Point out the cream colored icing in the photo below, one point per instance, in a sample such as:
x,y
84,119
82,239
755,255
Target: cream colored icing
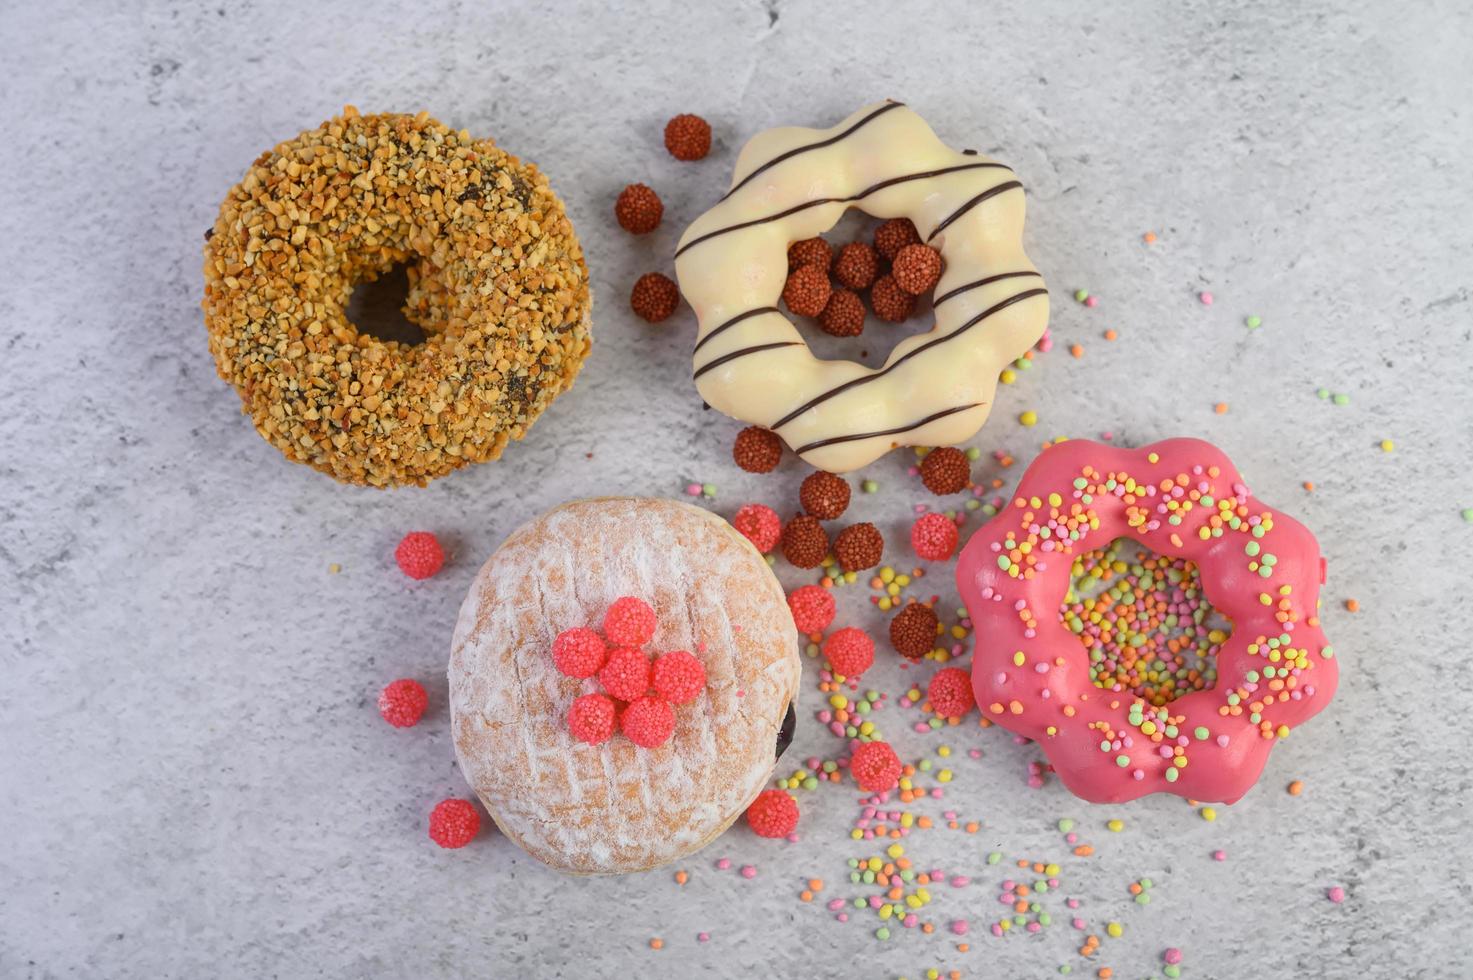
x,y
935,388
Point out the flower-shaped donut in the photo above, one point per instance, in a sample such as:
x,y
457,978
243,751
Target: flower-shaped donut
x,y
935,388
1259,568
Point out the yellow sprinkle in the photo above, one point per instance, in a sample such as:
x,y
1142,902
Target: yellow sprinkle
x,y
885,604
902,580
334,568
1115,929
895,850
907,819
887,574
1116,826
1008,377
1028,418
944,751
944,776
1208,814
1387,445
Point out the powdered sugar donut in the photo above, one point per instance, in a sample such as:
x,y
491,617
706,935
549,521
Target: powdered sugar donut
x,y
791,184
615,807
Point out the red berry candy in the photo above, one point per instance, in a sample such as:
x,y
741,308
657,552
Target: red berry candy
x,y
688,137
419,555
760,525
591,718
679,677
774,813
648,721
578,652
950,693
630,622
813,608
403,702
626,673
934,537
875,766
454,823
849,651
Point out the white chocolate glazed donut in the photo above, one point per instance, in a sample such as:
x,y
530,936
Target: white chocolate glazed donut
x,y
791,183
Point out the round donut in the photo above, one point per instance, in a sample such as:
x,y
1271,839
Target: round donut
x,y
497,282
1259,568
614,807
935,388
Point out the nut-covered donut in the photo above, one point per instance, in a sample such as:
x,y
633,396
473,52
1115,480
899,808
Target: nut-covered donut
x,y
497,282
682,579
790,184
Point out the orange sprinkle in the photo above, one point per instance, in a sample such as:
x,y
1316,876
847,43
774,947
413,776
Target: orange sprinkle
x,y
1220,408
1083,850
1352,605
1111,334
1076,349
1105,973
963,948
816,884
681,877
1309,486
972,827
927,927
923,822
657,944
1296,787
1149,237
805,896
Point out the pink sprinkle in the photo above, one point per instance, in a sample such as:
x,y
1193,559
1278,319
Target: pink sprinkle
x,y
1107,436
1034,927
693,489
1092,302
741,693
959,927
1336,894
1073,903
1078,923
921,508
910,921
723,864
842,916
996,929
748,871
1172,956
703,937
960,881
836,904
1219,855
1205,297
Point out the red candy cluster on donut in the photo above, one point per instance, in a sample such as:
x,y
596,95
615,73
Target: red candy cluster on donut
x,y
1259,568
638,696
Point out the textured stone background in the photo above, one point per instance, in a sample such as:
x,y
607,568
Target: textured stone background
x,y
193,779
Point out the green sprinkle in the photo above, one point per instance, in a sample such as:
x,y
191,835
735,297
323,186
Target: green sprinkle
x,y
1201,733
973,504
1081,295
708,489
1143,899
869,486
1171,774
1171,970
1145,882
1323,393
1254,322
1468,515
925,765
1251,548
994,857
1065,969
882,933
1004,562
1341,399
811,782
973,453
1122,761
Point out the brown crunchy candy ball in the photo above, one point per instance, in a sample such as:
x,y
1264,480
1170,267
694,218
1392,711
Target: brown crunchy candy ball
x,y
844,314
891,303
688,137
859,546
894,235
807,290
757,450
497,281
805,543
638,209
810,251
916,268
913,631
824,495
654,297
946,470
857,266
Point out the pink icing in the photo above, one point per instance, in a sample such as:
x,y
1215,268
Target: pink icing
x,y
1049,697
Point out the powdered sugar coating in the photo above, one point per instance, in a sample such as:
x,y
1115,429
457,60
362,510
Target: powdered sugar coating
x,y
614,807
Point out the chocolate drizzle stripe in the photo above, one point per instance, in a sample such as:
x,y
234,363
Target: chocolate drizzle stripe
x,y
989,193
734,321
866,379
743,353
887,432
952,293
875,189
795,151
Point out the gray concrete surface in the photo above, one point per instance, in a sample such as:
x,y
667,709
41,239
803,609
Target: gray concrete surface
x,y
193,779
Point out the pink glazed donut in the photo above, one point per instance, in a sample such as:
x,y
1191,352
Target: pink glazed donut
x,y
1259,568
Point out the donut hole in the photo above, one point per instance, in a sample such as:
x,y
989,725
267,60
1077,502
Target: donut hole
x,y
871,347
379,307
1144,622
